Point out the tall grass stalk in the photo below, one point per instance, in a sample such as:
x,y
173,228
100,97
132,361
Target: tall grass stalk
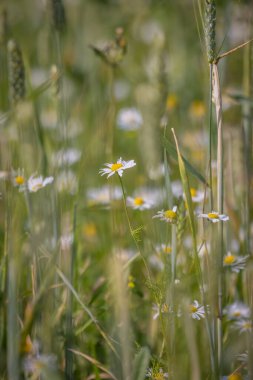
x,y
69,312
220,195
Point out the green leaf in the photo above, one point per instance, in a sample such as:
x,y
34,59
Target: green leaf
x,y
173,153
141,362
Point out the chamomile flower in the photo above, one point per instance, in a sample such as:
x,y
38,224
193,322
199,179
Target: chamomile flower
x,y
243,325
214,217
36,183
235,263
117,167
139,203
18,179
163,249
66,157
129,119
196,310
103,195
156,374
160,309
237,310
169,216
197,195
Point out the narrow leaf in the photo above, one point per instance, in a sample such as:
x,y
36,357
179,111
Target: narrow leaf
x,y
95,362
173,153
141,362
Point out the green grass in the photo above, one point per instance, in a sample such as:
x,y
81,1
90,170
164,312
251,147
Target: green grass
x,y
91,285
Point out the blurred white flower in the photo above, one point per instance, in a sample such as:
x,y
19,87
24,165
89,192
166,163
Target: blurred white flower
x,y
66,157
197,195
66,180
169,216
139,203
66,241
117,167
235,263
160,309
103,195
129,119
196,310
243,325
36,183
35,365
237,310
156,374
18,179
214,217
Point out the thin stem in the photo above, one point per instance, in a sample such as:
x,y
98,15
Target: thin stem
x,y
220,190
130,226
210,138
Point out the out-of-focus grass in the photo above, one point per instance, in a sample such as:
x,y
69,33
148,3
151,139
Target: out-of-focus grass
x,y
92,287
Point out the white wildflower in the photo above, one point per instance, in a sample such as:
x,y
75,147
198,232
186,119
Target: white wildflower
x,y
214,217
196,310
36,183
169,216
118,167
129,119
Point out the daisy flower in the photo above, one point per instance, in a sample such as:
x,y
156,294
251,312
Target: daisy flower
x,y
196,310
66,157
157,374
243,325
117,167
163,249
129,119
237,310
197,195
236,263
214,217
169,216
139,203
160,309
36,183
18,179
103,195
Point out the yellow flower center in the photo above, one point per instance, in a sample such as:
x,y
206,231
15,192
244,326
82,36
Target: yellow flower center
x,y
229,259
235,376
213,215
170,214
116,166
237,314
89,230
247,325
197,109
165,308
172,102
19,180
138,201
159,376
193,192
193,309
167,250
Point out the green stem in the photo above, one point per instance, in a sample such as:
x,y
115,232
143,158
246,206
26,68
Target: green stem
x,y
210,137
130,227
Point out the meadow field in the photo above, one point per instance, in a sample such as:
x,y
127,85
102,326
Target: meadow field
x,y
126,178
